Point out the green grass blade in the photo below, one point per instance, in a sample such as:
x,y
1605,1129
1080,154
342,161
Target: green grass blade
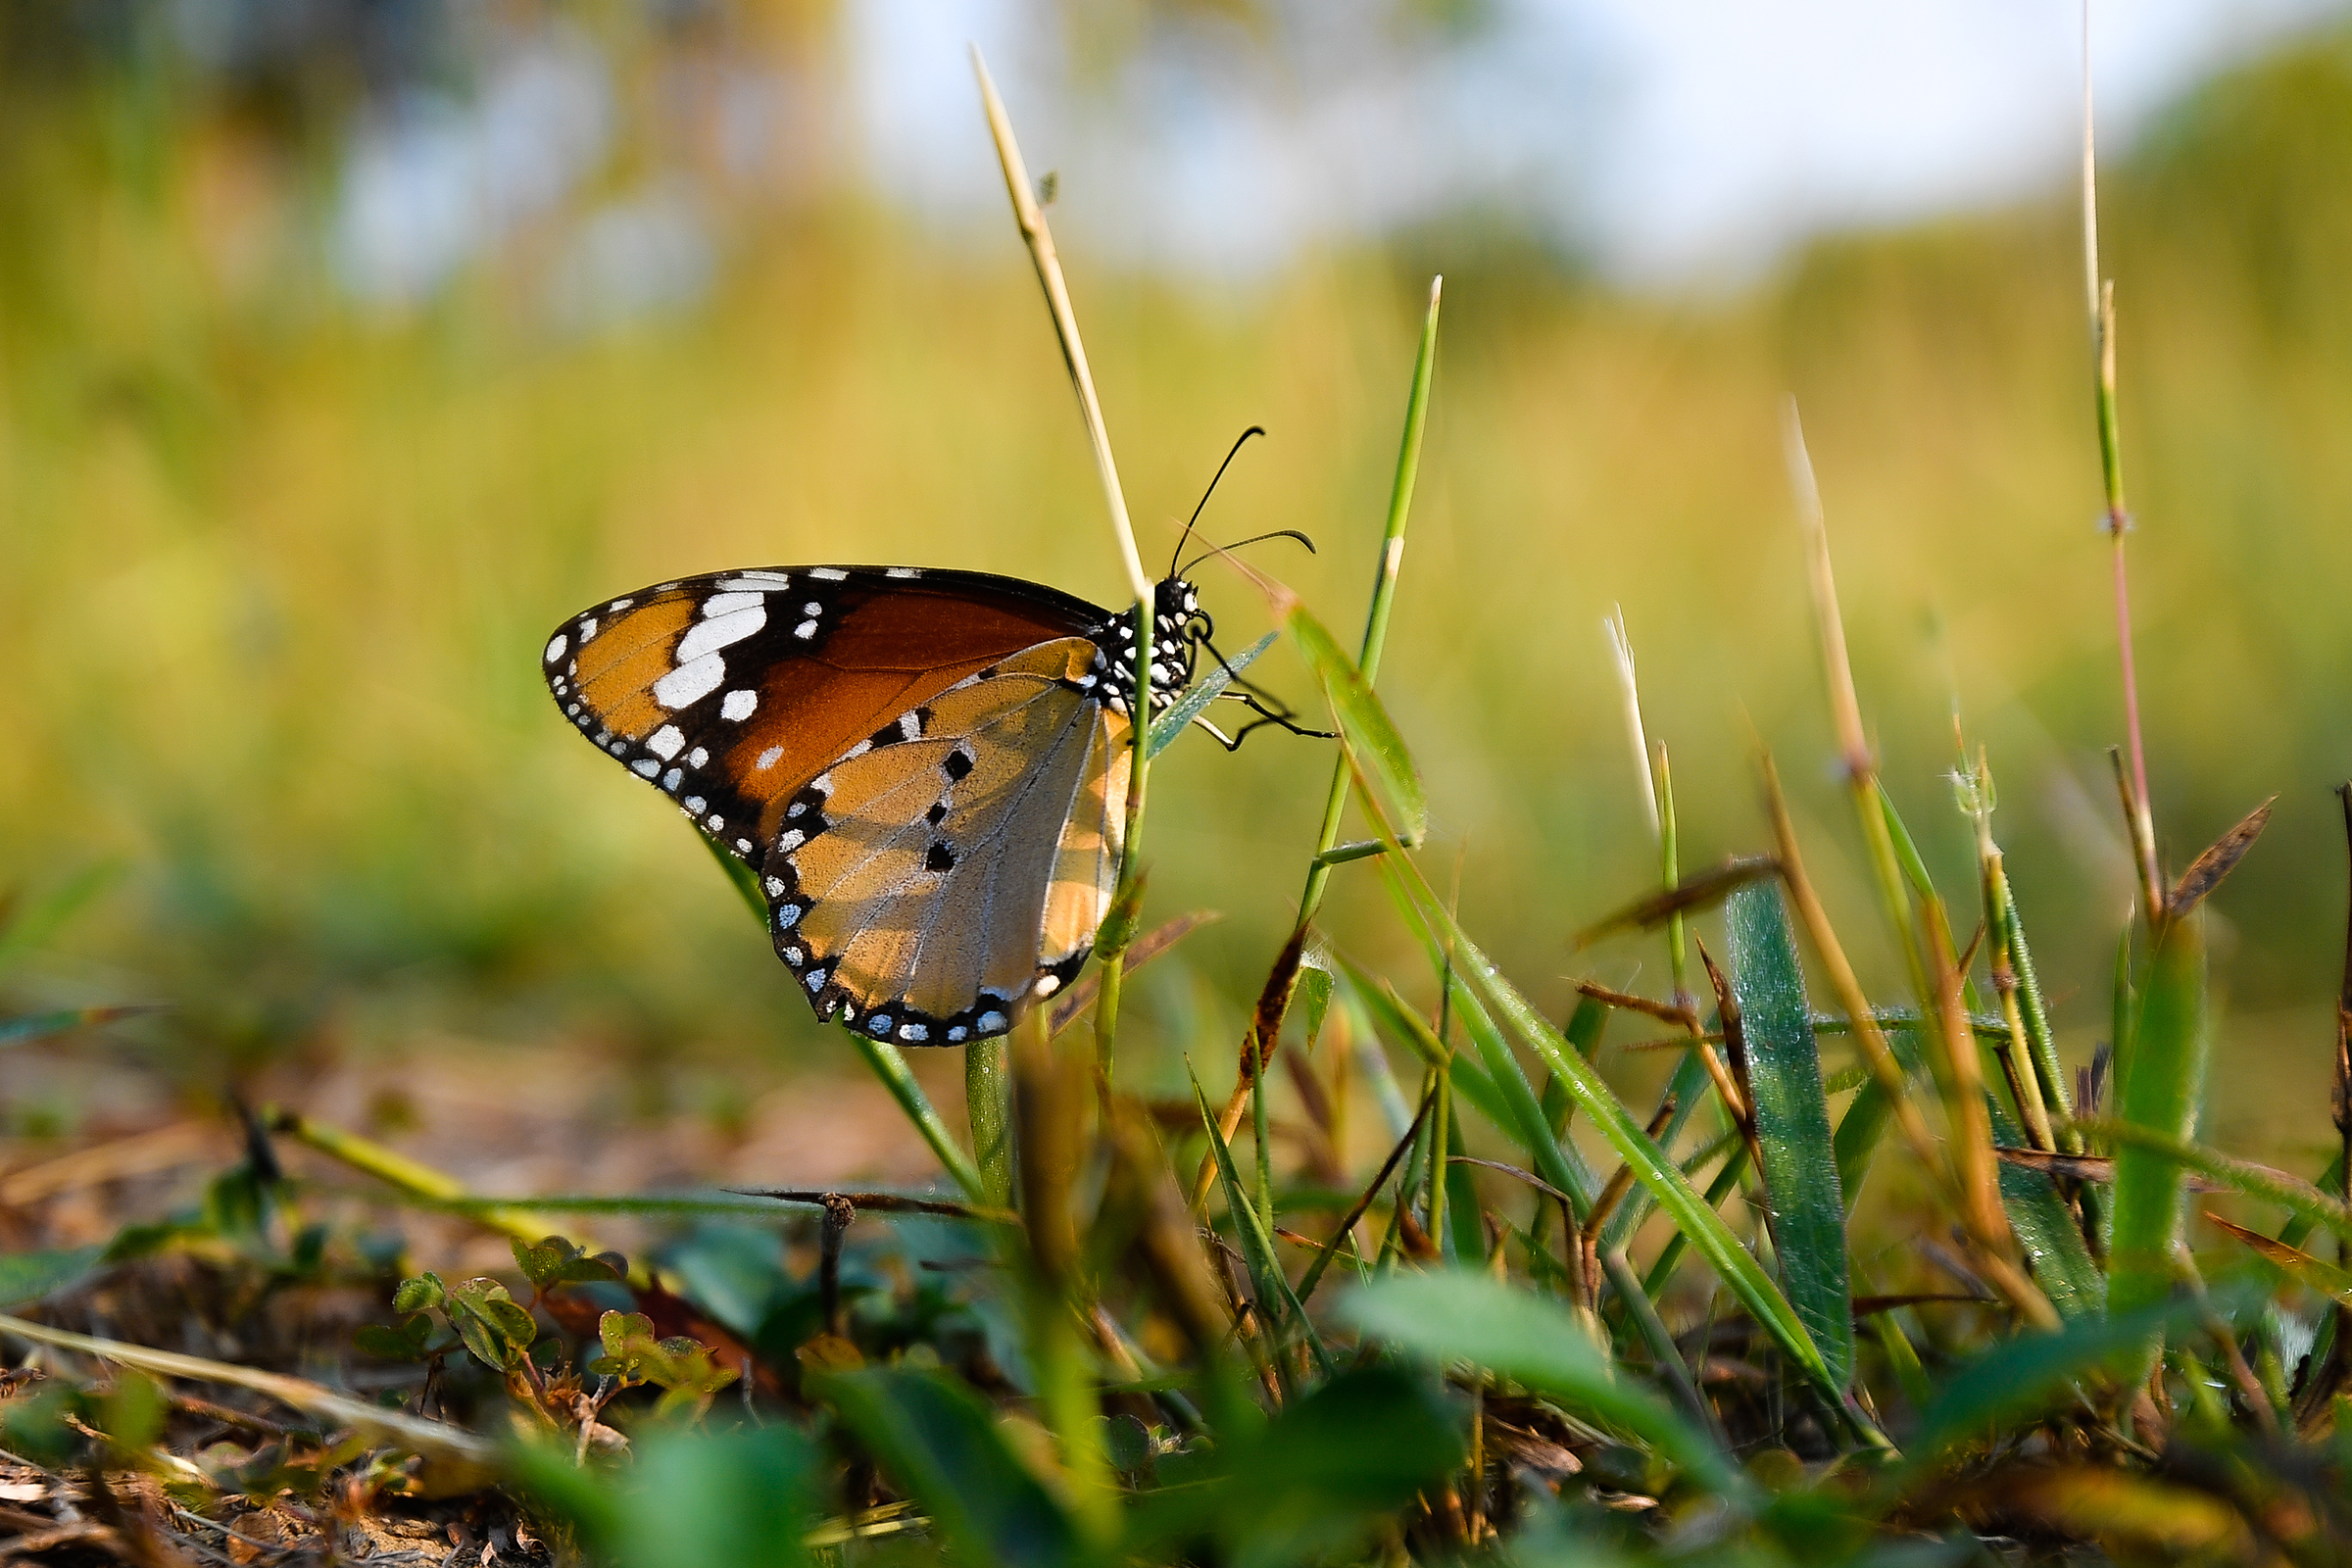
x,y
2165,1087
1688,1086
1365,730
2332,1180
1457,1316
2046,1231
2311,1207
883,1059
1257,1247
941,1442
1205,691
1709,1235
1793,1122
1390,1016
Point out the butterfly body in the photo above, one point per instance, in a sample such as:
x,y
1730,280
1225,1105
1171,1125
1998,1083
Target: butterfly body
x,y
926,770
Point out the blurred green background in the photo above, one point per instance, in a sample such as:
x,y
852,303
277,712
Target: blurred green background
x,y
277,557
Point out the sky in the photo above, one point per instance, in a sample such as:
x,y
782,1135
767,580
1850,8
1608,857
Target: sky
x,y
1674,144
1670,140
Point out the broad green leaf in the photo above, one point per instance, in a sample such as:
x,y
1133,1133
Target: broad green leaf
x,y
938,1442
420,1295
1364,727
1205,691
1792,1121
1302,1486
1709,1235
1532,1341
689,1500
2167,1085
29,1276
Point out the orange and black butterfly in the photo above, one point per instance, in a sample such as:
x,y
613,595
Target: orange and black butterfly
x,y
926,770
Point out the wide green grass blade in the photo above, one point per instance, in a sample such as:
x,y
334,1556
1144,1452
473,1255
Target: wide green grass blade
x,y
1793,1122
2165,1087
941,1442
1364,727
2046,1230
1458,1316
1208,689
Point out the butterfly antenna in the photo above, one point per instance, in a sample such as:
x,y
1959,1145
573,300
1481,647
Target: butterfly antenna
x,y
1255,538
1256,430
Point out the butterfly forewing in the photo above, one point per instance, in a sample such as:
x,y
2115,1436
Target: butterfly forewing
x,y
731,691
920,765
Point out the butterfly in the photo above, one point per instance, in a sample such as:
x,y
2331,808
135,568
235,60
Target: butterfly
x,y
926,770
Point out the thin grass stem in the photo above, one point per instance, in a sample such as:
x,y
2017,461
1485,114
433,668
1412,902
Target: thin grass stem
x,y
1111,946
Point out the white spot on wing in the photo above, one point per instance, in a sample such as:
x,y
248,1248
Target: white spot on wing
x,y
620,605
787,914
792,841
776,887
727,603
695,804
587,627
664,742
696,758
669,780
555,650
829,574
901,572
805,631
708,636
991,1022
756,582
738,706
814,980
958,1033
690,683
645,767
767,758
913,1032
1048,984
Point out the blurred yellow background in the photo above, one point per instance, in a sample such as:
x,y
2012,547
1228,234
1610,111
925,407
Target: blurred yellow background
x,y
284,521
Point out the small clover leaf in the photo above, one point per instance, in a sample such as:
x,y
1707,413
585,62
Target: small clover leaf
x,y
420,1295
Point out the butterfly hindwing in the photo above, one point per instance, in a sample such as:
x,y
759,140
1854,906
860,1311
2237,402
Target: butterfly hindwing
x,y
729,692
949,874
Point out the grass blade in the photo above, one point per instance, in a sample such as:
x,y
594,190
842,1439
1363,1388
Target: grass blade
x,y
2046,1231
1206,690
1807,1207
1706,1230
1257,1247
2166,1087
1364,725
